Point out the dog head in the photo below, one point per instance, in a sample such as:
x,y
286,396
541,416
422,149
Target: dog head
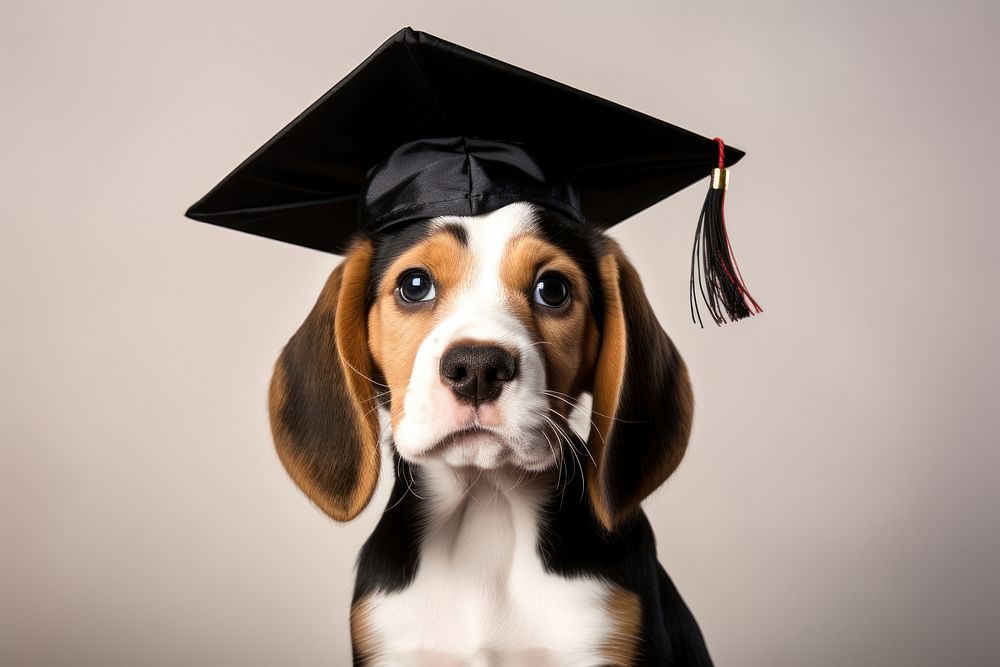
x,y
479,335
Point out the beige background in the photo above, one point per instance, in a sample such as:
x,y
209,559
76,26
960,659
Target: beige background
x,y
838,505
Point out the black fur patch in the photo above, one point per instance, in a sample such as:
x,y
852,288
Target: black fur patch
x,y
391,244
317,404
389,558
457,231
571,543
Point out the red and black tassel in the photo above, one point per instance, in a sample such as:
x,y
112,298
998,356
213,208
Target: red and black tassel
x,y
714,271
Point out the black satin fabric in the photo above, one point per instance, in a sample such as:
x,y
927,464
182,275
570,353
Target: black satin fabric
x,y
460,176
395,137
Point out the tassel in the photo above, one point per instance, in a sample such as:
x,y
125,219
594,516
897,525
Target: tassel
x,y
713,266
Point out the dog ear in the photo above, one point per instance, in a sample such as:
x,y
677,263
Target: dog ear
x,y
643,404
322,402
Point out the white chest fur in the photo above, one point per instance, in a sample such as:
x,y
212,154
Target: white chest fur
x,y
481,595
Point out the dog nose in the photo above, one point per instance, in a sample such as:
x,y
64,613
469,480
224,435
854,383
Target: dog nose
x,y
477,373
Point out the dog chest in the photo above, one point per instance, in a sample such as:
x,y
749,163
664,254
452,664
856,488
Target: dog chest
x,y
482,596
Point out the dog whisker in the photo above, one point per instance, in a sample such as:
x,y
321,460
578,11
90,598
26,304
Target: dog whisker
x,y
561,459
559,486
587,451
567,398
376,396
376,382
560,433
572,447
554,457
592,424
402,496
370,410
582,443
517,483
468,489
410,481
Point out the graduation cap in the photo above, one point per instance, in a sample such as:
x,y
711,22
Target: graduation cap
x,y
424,127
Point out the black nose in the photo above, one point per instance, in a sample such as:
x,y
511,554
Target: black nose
x,y
477,373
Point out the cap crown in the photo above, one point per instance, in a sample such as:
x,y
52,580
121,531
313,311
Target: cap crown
x,y
387,135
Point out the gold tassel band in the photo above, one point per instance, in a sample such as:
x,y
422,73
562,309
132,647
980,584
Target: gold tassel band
x,y
720,179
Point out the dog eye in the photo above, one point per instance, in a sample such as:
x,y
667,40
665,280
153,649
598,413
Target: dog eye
x,y
416,286
551,291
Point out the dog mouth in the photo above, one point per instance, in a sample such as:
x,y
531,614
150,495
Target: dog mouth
x,y
472,446
465,436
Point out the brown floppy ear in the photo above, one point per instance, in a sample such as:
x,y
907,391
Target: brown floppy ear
x,y
322,405
643,404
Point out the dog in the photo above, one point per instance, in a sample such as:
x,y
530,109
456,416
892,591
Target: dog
x,y
508,539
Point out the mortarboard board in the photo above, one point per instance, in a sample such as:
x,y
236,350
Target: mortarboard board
x,y
424,127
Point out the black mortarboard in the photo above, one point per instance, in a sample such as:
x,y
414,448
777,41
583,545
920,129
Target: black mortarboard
x,y
424,127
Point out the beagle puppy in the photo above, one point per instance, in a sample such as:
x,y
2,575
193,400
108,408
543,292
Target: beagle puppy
x,y
509,538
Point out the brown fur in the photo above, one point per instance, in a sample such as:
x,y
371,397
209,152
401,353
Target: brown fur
x,y
625,610
324,429
609,374
643,404
396,330
570,336
363,640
